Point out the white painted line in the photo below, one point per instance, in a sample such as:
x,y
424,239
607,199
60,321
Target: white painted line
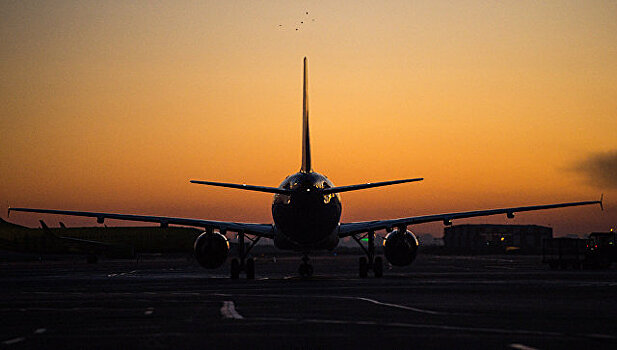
x,y
521,347
149,311
418,325
228,310
13,341
228,304
402,307
121,274
40,330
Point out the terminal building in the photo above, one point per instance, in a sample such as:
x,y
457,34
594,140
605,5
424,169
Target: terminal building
x,y
495,238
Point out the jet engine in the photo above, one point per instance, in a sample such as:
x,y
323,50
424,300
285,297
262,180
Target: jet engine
x,y
400,248
211,249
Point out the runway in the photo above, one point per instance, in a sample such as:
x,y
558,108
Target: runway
x,y
509,302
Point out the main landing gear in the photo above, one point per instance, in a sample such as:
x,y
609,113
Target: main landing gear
x,y
306,269
370,261
241,263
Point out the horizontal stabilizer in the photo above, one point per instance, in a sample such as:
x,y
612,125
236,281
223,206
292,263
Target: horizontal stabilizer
x,y
244,187
367,185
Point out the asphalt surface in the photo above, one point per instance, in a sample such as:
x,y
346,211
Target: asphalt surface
x,y
448,302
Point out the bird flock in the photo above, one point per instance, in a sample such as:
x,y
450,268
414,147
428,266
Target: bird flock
x,y
298,24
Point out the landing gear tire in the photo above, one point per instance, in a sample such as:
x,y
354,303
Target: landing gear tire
x,y
378,266
250,269
235,269
363,270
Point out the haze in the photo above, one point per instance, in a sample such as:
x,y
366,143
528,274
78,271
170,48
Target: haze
x,y
113,106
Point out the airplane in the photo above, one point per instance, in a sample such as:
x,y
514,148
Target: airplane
x,y
111,242
306,212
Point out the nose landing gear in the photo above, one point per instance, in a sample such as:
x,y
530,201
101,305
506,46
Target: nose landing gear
x,y
370,261
306,269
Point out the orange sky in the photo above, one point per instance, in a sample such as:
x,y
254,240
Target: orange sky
x,y
107,106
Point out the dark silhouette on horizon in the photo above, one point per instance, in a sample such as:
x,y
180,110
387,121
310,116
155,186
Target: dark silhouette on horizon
x,y
306,211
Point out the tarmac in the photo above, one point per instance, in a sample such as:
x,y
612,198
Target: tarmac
x,y
453,302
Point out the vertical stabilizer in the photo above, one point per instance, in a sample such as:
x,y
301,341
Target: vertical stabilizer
x,y
306,143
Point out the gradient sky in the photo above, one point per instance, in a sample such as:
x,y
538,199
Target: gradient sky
x,y
115,105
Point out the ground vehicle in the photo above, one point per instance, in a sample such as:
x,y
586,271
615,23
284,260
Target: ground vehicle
x,y
598,251
601,249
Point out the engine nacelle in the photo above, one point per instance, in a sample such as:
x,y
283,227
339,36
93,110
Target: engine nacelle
x,y
211,249
400,248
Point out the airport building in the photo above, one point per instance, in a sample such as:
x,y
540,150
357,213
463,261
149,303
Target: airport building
x,y
495,238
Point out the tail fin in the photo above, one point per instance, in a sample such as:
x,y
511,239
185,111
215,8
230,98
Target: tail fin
x,y
46,230
306,143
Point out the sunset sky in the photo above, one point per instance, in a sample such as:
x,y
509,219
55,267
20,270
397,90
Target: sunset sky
x,y
115,105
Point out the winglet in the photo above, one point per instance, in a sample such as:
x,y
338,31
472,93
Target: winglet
x,y
601,201
8,210
306,143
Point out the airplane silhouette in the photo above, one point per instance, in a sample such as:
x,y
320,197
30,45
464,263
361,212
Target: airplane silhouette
x,y
306,211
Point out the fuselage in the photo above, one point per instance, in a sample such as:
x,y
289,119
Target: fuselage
x,y
306,219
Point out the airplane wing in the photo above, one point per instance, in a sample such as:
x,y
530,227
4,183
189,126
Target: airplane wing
x,y
97,244
353,228
261,230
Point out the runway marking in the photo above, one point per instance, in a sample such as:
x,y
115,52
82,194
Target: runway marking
x,y
149,311
228,310
13,341
20,339
121,274
397,306
500,267
441,327
521,347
